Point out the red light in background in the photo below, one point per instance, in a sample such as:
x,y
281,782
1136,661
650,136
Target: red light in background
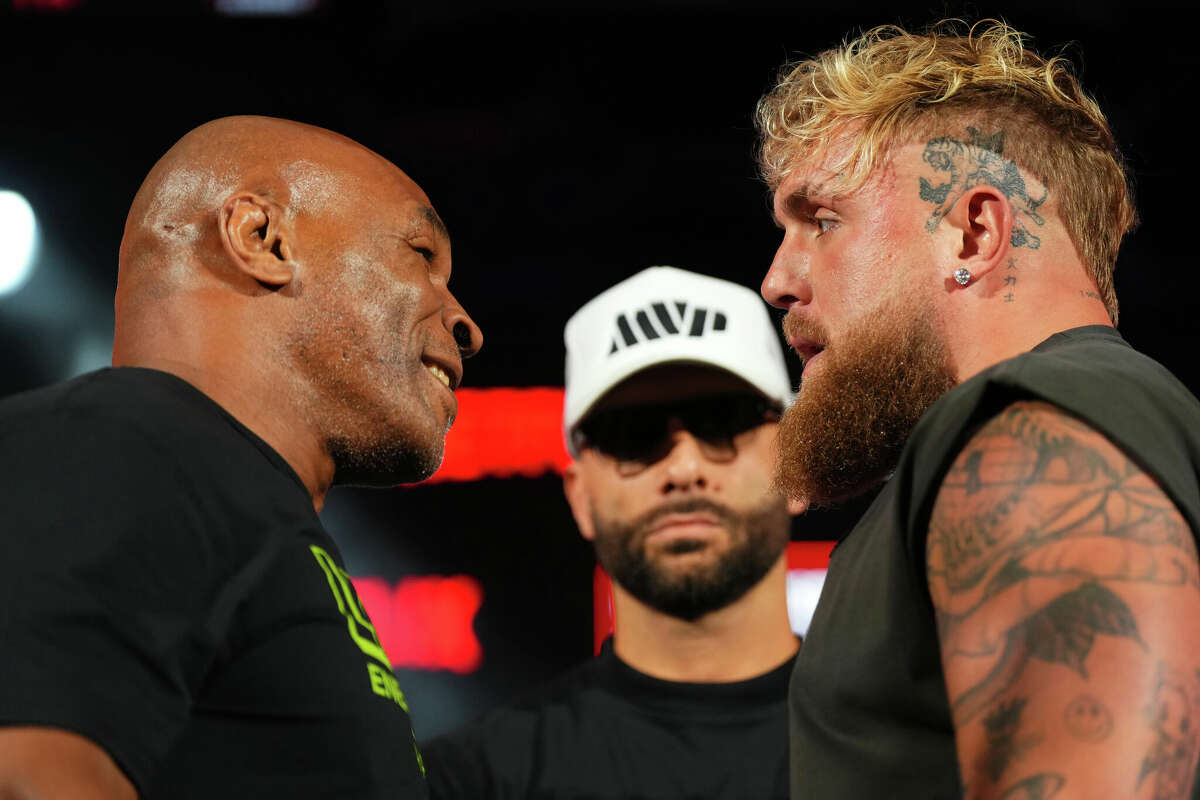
x,y
809,555
505,432
800,556
46,5
425,622
602,607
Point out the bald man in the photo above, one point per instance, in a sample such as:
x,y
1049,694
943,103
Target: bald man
x,y
174,620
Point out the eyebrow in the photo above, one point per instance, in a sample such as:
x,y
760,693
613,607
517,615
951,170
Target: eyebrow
x,y
433,219
792,202
802,195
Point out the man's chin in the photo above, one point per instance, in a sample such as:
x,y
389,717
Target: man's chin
x,y
387,465
678,565
420,468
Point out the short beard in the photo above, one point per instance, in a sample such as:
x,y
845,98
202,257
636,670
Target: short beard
x,y
850,422
382,464
757,539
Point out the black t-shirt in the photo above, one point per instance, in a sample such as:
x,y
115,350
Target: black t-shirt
x,y
867,705
605,730
169,593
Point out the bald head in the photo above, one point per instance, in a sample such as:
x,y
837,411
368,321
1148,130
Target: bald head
x,y
171,228
299,279
259,153
236,178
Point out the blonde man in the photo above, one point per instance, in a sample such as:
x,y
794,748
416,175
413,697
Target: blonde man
x,y
1017,614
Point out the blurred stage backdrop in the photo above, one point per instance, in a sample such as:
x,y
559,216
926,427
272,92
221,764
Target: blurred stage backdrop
x,y
567,146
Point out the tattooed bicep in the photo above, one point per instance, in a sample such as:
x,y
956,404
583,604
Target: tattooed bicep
x,y
1028,487
1047,545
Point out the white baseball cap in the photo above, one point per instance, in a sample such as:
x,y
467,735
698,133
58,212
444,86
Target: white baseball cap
x,y
666,315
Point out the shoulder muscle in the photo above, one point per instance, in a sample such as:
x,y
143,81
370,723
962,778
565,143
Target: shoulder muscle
x,y
1065,582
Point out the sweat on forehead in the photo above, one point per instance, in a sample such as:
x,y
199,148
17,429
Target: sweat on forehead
x,y
312,186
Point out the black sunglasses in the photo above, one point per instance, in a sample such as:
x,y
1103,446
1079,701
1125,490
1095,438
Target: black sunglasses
x,y
643,433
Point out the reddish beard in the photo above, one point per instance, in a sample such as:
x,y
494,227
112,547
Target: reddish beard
x,y
852,417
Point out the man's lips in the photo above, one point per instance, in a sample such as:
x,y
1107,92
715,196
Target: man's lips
x,y
449,373
805,336
808,364
805,348
678,526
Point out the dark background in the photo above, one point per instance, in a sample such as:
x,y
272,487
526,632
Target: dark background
x,y
566,147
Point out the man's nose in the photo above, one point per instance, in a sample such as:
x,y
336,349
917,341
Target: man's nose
x,y
466,333
686,468
786,282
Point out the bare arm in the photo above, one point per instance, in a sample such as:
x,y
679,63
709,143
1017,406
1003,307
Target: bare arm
x,y
1067,594
37,763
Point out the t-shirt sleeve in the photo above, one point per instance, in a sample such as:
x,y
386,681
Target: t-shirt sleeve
x,y
106,578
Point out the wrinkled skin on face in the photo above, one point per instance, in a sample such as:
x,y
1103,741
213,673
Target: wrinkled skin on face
x,y
301,281
372,328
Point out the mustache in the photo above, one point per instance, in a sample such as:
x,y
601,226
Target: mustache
x,y
799,327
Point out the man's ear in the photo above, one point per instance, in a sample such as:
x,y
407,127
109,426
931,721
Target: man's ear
x,y
981,222
257,239
578,500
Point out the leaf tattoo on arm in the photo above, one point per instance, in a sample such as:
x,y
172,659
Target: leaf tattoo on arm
x,y
1047,543
1062,633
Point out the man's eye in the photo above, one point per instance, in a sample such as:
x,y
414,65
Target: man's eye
x,y
425,252
824,225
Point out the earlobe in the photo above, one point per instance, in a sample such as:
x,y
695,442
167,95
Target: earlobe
x,y
982,220
257,239
796,506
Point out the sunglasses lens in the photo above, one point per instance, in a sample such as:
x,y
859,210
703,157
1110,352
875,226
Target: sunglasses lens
x,y
716,420
627,434
640,433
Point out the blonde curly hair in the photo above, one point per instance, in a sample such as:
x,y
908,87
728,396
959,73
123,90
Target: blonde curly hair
x,y
890,87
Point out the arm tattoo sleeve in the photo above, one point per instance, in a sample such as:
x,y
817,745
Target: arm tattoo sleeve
x,y
1067,594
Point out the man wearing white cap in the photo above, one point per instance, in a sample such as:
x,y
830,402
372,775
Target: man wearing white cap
x,y
674,384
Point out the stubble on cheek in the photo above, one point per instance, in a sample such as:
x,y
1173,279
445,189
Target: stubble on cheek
x,y
357,363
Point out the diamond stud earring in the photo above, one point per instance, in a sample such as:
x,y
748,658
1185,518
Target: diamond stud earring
x,y
962,276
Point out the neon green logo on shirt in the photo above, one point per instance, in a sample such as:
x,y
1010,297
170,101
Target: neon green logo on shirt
x,y
383,682
359,625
